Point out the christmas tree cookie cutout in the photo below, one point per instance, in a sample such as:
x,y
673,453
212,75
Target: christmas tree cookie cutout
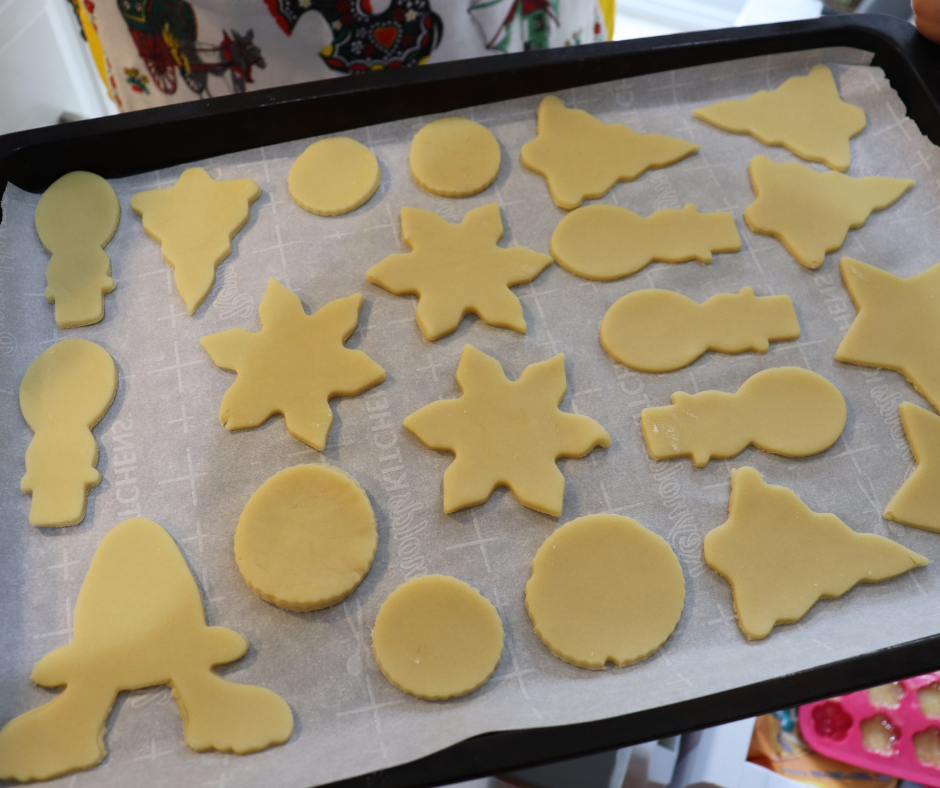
x,y
605,242
660,331
582,158
781,557
506,433
76,218
456,270
917,503
783,410
65,392
804,115
139,622
293,366
194,221
811,212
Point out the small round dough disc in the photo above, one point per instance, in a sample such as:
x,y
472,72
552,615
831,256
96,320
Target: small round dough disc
x,y
334,176
437,637
306,537
454,157
604,589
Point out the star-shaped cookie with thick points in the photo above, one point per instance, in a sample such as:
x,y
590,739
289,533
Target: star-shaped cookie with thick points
x,y
506,433
293,366
917,503
457,270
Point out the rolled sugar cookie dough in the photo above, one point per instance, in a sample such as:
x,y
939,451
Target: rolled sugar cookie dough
x,y
306,537
436,637
604,589
334,176
454,157
917,503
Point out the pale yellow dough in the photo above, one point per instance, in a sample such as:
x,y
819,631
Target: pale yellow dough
x,y
917,503
456,270
306,537
781,557
436,637
582,158
293,366
75,218
65,392
660,331
896,323
811,212
334,176
506,433
454,157
194,221
604,589
139,622
783,410
805,115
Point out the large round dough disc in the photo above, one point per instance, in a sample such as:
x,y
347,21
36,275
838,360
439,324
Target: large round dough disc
x,y
334,176
306,538
454,157
437,637
604,589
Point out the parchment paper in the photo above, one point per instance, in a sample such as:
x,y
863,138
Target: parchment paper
x,y
165,456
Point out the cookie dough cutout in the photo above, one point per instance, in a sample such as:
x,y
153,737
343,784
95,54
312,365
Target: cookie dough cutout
x,y
293,366
139,622
804,115
783,410
76,218
661,331
306,538
604,589
456,270
194,221
65,392
454,157
896,319
506,433
436,637
781,557
917,503
334,176
583,158
811,212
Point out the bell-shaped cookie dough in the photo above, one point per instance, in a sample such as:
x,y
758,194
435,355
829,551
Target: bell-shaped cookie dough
x,y
805,115
293,366
456,270
781,557
605,242
75,218
194,221
454,157
65,392
811,212
582,158
917,503
139,622
334,176
660,331
506,433
783,410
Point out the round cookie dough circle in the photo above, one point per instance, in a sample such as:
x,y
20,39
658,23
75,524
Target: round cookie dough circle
x,y
306,537
604,589
454,157
79,205
334,176
436,637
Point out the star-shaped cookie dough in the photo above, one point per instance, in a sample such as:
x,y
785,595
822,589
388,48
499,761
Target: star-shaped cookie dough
x,y
506,433
805,115
917,503
457,270
293,366
582,158
194,221
897,325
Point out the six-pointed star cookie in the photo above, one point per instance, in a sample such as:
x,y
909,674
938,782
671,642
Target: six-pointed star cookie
x,y
917,503
897,325
293,366
457,270
506,433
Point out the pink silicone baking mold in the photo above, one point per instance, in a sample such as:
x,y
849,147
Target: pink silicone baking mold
x,y
833,728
